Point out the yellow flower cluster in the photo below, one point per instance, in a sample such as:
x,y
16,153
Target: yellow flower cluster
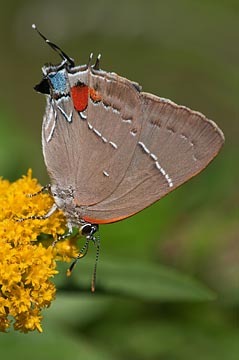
x,y
26,266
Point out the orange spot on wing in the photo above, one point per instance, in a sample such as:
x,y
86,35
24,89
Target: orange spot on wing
x,y
95,96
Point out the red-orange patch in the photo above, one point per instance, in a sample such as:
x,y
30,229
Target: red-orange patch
x,y
79,94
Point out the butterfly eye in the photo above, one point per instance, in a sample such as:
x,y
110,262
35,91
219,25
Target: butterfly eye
x,y
88,229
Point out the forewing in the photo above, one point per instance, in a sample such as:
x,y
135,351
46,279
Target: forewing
x,y
91,150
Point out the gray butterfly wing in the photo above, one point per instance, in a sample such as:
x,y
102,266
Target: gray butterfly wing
x,y
126,150
175,144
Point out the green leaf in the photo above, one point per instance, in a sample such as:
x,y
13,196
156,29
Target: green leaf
x,y
143,281
52,344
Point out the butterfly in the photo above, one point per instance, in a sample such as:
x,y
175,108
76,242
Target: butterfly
x,y
110,149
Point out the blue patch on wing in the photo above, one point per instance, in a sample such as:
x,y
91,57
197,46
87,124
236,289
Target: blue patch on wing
x,y
58,81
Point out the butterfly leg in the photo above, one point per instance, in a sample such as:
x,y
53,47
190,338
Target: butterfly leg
x,y
39,217
63,236
46,188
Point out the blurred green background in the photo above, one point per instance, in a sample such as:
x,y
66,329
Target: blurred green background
x,y
153,299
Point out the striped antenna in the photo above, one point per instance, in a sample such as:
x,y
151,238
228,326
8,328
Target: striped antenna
x,y
56,48
93,281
